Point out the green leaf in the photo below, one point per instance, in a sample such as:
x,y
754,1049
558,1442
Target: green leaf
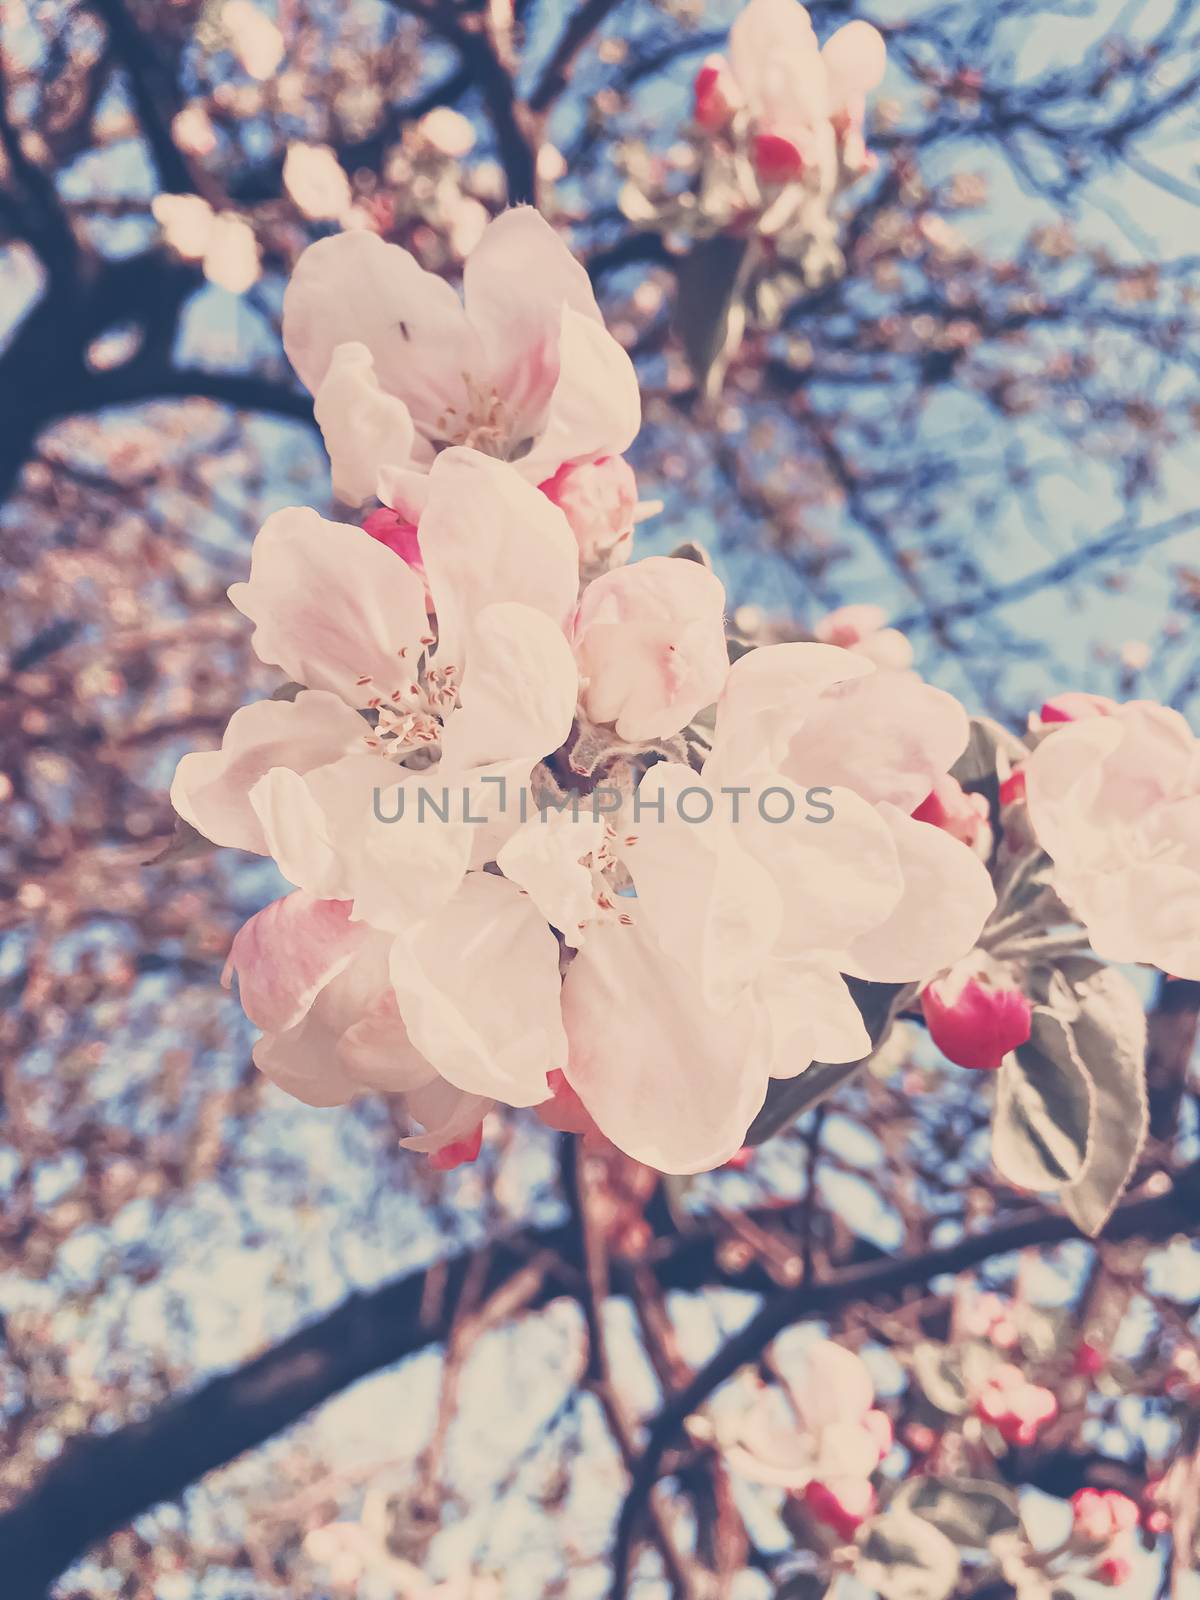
x,y
990,749
185,844
1110,1039
939,1372
709,314
969,1511
789,1098
1043,1105
906,1558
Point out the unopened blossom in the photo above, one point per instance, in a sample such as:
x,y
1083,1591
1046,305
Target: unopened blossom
x,y
715,95
976,1012
650,642
1073,706
864,628
1099,1516
1114,800
802,100
964,816
521,369
318,986
599,500
1015,1407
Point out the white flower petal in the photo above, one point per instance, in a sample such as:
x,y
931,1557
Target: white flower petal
x,y
332,606
887,736
813,1017
516,283
544,857
948,896
671,1082
486,536
353,287
595,407
767,695
518,692
364,429
286,954
211,789
478,988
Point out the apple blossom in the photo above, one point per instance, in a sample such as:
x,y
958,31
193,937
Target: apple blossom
x,y
1073,705
599,501
317,985
976,1013
801,99
650,642
864,628
524,370
1016,1408
821,1435
1100,1515
340,613
715,95
964,816
1114,800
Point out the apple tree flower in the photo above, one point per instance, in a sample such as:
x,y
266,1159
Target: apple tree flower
x,y
1114,800
521,368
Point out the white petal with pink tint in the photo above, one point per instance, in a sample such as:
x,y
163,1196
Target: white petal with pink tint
x,y
813,1017
332,606
887,736
355,288
516,283
595,407
777,62
518,693
671,1082
545,858
487,536
767,695
211,788
286,954
364,429
699,895
948,896
650,641
478,988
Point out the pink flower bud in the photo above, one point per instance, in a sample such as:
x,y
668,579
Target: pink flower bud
x,y
714,95
963,816
390,528
1012,790
843,1505
650,642
1075,706
1114,1571
776,159
975,1014
1016,1408
1089,1360
599,500
459,1153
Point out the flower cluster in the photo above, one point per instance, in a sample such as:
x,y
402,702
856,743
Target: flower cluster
x,y
796,107
472,672
820,1435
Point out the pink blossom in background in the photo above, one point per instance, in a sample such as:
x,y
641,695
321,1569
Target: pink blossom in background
x,y
1114,800
522,368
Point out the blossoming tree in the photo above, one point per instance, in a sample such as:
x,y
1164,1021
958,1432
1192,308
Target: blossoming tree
x,y
563,847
